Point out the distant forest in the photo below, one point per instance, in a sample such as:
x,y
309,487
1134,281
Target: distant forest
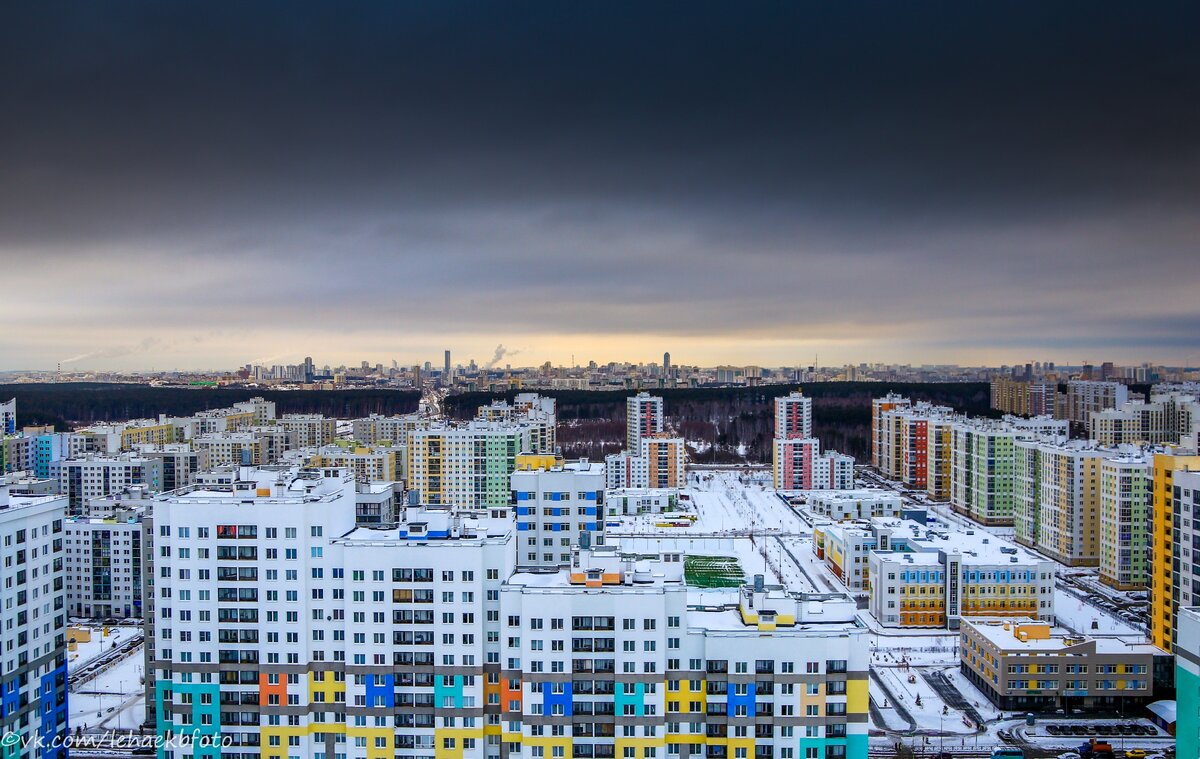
x,y
75,403
722,423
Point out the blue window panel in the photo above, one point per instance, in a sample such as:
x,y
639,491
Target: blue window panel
x,y
564,699
524,526
735,700
380,685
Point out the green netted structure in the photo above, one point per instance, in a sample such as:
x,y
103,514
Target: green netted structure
x,y
713,572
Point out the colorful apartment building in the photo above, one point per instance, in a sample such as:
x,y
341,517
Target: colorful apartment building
x,y
793,416
936,578
1187,683
369,463
1060,516
466,465
554,503
33,626
422,639
798,464
883,439
1176,488
666,461
982,471
1125,520
643,418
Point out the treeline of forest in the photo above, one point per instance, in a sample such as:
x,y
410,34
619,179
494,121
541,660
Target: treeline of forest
x,y
70,404
724,423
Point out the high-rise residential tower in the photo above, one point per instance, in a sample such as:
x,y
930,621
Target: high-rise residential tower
x,y
643,418
33,626
793,416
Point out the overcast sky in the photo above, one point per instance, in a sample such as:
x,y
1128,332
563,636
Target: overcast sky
x,y
212,184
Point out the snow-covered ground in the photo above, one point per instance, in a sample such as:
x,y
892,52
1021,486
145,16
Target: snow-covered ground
x,y
739,514
114,700
1073,612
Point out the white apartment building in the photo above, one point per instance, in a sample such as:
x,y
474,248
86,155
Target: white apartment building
x,y
553,507
8,418
633,501
1168,418
309,430
529,410
180,462
1184,500
419,640
349,641
1086,397
643,418
95,475
33,621
626,470
843,505
387,429
103,561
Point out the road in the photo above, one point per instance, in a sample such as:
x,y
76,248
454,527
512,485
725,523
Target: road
x,y
110,658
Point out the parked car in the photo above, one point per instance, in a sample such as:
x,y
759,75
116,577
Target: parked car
x,y
1068,755
1135,753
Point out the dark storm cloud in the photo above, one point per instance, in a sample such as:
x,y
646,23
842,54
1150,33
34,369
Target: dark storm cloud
x,y
704,168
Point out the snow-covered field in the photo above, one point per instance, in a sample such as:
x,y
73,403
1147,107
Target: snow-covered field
x,y
115,698
1073,612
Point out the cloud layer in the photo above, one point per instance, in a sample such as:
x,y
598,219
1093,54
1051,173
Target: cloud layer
x,y
201,185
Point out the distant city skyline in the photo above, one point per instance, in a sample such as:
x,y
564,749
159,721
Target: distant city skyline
x,y
501,358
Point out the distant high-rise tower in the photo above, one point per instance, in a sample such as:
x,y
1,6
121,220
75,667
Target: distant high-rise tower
x,y
667,364
446,370
793,416
643,418
309,370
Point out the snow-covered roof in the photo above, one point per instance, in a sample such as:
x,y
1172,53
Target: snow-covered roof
x,y
1164,710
